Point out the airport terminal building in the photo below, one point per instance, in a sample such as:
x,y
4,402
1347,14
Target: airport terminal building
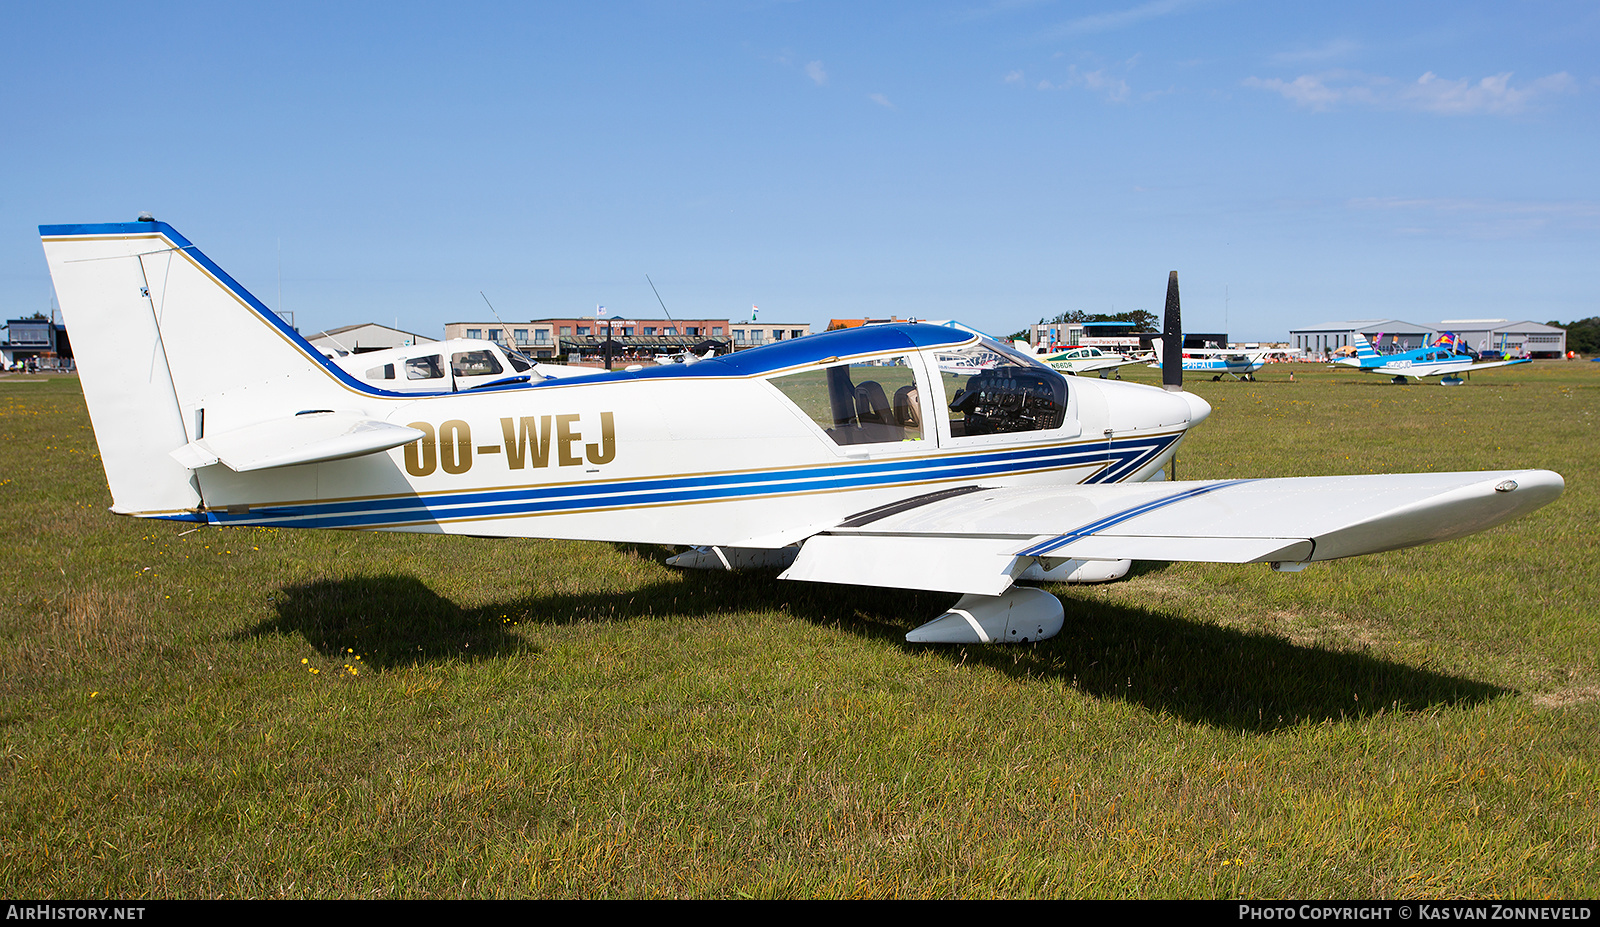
x,y
558,337
42,341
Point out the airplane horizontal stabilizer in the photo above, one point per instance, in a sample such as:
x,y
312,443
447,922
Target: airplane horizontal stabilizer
x,y
310,437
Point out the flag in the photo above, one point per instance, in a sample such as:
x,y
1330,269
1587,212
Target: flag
x,y
599,312
753,311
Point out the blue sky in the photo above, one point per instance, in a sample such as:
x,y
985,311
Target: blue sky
x,y
993,162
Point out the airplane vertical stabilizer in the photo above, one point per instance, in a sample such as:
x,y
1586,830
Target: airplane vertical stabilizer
x,y
171,349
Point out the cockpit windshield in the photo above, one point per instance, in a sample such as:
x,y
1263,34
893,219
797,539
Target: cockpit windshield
x,y
992,389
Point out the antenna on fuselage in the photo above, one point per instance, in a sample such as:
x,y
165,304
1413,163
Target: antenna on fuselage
x,y
1172,339
658,296
497,318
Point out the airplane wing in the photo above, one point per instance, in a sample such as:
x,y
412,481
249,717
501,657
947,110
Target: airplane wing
x,y
1081,366
1113,364
1422,372
976,540
1509,363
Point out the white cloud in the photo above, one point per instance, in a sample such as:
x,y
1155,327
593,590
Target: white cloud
x,y
816,73
1313,91
1335,48
1114,89
994,8
1429,93
1119,19
1490,95
881,100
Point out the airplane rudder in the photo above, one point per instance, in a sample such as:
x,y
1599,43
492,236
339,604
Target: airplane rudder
x,y
122,367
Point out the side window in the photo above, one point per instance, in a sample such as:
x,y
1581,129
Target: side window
x,y
474,364
386,372
868,402
425,368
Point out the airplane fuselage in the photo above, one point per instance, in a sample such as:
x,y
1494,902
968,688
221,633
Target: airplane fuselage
x,y
1432,358
694,455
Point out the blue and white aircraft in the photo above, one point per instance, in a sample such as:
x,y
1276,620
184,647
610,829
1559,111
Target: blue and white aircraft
x,y
1439,359
847,457
1219,362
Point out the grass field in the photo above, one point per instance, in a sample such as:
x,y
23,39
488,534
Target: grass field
x,y
264,713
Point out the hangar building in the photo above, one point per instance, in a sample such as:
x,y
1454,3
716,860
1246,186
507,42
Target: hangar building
x,y
1512,339
363,337
1328,337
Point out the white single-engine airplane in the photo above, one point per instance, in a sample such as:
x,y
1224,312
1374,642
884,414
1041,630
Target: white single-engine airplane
x,y
1088,359
850,456
1219,362
448,366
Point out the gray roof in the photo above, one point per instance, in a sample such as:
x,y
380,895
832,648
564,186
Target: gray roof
x,y
1498,325
1366,325
348,328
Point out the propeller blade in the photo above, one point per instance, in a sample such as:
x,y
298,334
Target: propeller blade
x,y
1172,339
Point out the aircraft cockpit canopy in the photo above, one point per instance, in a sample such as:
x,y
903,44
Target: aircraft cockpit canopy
x,y
992,389
988,389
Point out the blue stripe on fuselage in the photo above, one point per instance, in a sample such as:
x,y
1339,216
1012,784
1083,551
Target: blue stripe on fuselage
x,y
1117,460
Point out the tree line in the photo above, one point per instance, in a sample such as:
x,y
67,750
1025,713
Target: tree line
x,y
1140,319
1583,335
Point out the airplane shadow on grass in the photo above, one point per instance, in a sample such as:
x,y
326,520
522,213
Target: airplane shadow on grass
x,y
1192,671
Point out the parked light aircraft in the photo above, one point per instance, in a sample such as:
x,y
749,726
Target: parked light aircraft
x,y
1219,362
1435,360
448,366
1089,359
685,357
849,457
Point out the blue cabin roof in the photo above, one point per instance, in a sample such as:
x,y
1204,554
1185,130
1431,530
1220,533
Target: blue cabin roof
x,y
811,349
